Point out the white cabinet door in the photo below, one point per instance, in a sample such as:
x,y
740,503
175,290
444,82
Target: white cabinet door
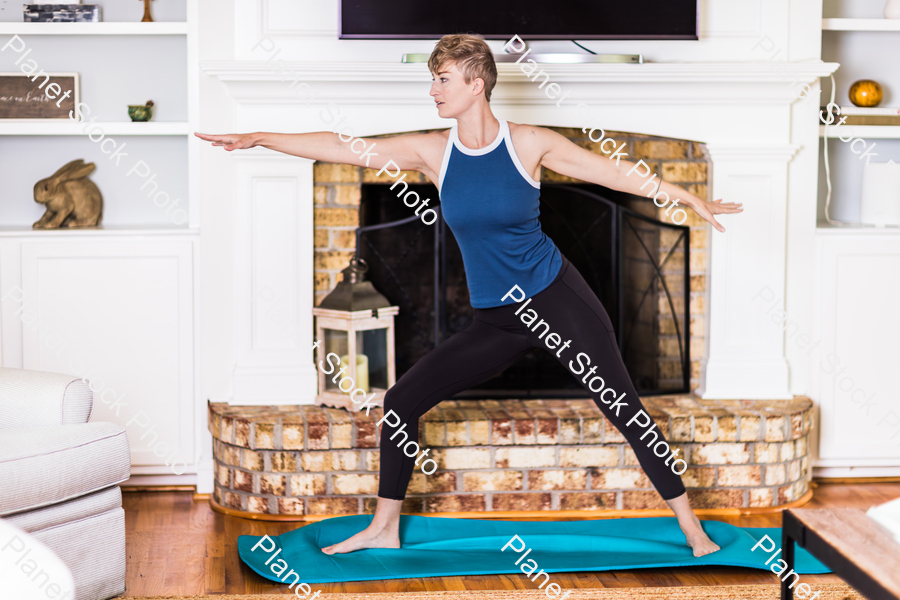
x,y
858,362
119,313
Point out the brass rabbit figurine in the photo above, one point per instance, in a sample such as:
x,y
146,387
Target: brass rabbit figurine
x,y
71,198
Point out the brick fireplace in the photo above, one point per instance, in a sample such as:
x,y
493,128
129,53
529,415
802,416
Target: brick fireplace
x,y
286,207
337,198
500,456
517,456
690,124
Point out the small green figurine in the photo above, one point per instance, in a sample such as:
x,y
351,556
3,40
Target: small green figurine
x,y
141,112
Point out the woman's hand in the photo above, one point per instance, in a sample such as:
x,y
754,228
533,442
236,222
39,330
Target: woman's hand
x,y
708,209
232,141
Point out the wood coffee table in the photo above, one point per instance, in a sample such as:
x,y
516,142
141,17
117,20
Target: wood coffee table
x,y
852,545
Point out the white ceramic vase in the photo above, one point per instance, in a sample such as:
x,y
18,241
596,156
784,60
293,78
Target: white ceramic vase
x,y
880,195
892,9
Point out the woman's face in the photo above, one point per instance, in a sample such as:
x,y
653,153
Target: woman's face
x,y
451,93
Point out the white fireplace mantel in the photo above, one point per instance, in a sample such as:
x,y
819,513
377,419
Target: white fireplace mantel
x,y
730,93
746,113
722,72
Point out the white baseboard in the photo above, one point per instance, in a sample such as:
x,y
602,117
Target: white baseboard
x,y
851,472
158,480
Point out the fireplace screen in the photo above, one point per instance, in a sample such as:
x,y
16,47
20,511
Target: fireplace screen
x,y
637,265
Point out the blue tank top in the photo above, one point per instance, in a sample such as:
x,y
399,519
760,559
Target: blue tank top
x,y
491,205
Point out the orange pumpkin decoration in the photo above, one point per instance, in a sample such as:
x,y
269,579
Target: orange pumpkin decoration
x,y
865,92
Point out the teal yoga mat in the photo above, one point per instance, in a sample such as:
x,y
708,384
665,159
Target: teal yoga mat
x,y
434,547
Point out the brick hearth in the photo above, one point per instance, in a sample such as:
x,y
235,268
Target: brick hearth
x,y
509,455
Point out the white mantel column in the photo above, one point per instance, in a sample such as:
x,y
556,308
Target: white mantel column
x,y
273,259
747,265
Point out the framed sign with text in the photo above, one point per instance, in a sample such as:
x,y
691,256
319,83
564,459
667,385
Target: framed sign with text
x,y
48,96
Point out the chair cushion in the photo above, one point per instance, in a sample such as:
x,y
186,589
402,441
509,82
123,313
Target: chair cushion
x,y
76,509
45,465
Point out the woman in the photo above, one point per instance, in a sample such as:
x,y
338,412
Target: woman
x,y
487,172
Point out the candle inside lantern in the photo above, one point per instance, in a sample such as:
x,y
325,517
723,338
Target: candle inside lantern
x,y
362,371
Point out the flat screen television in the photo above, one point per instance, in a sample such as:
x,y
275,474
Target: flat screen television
x,y
529,19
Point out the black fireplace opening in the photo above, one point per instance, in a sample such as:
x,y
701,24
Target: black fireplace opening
x,y
614,240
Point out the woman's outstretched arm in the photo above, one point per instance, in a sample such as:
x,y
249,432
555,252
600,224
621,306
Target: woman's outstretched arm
x,y
403,150
566,158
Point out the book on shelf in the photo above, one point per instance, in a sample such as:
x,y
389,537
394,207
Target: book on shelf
x,y
856,115
61,13
888,516
870,111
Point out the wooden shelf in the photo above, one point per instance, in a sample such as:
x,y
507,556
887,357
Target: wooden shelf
x,y
860,24
174,28
882,132
20,230
68,127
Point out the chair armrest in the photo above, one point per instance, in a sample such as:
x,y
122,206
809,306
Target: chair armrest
x,y
42,399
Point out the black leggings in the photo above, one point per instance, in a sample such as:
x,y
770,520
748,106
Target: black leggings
x,y
493,341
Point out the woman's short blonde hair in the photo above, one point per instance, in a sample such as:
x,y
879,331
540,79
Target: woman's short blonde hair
x,y
472,57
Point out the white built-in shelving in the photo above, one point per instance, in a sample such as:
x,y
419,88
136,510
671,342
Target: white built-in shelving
x,y
826,228
854,261
141,265
860,24
67,127
162,51
93,28
849,39
102,230
881,132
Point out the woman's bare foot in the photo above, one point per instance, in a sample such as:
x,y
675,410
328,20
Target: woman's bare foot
x,y
693,532
367,538
698,540
382,532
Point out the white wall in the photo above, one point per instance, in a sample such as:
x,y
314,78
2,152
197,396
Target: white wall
x,y
854,9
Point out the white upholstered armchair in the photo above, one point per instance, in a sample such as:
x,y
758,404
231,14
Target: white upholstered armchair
x,y
60,476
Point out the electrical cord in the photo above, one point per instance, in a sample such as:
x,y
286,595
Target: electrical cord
x,y
827,166
582,47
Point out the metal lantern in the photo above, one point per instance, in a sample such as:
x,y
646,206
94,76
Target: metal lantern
x,y
355,325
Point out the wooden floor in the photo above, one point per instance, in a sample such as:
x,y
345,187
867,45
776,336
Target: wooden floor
x,y
180,547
